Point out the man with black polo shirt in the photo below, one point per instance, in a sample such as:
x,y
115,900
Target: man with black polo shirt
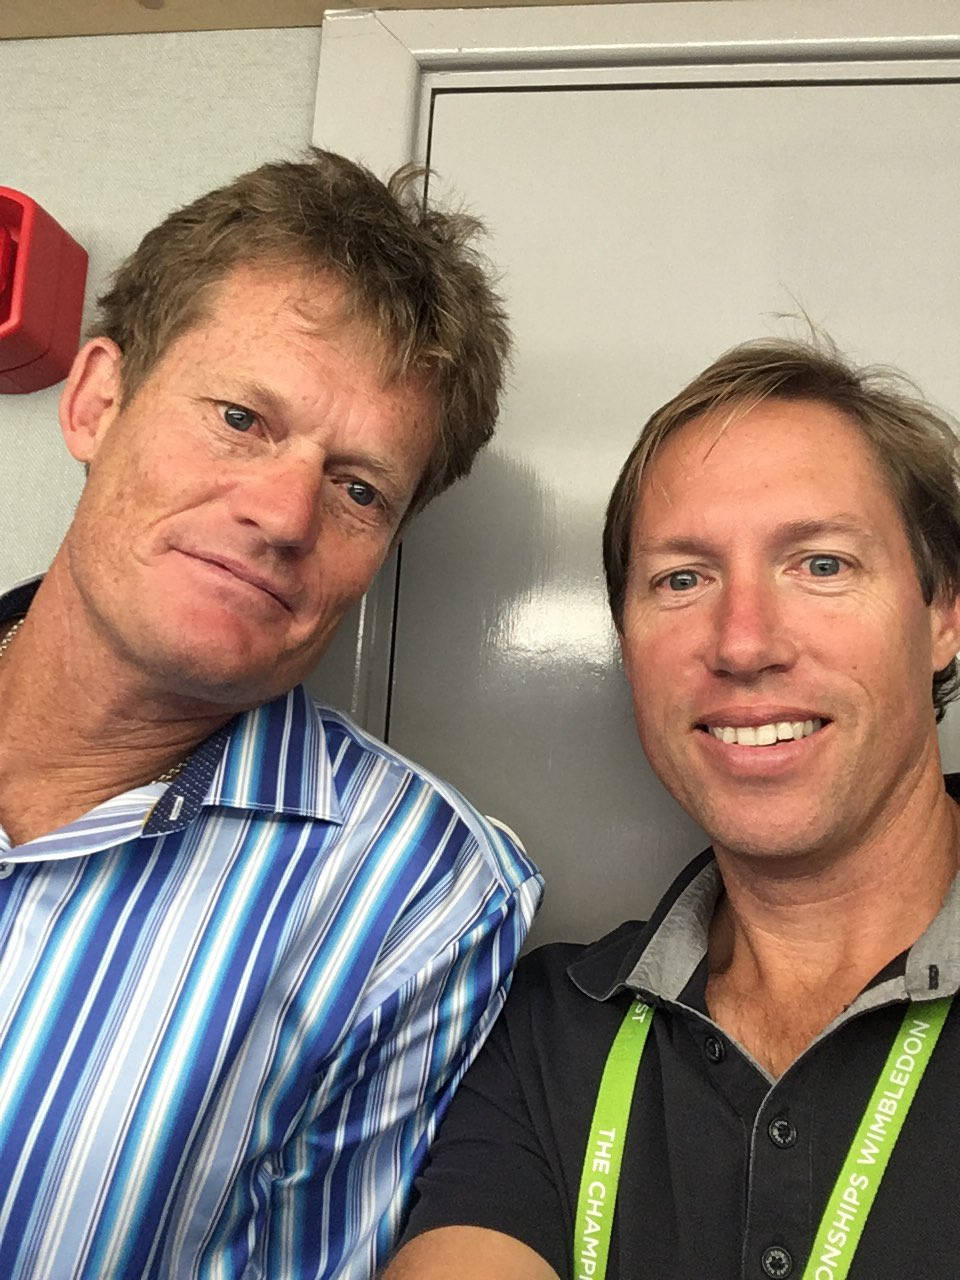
x,y
772,1056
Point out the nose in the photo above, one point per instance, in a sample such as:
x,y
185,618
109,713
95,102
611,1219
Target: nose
x,y
282,497
750,634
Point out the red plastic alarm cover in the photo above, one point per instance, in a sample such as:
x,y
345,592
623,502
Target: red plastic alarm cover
x,y
42,275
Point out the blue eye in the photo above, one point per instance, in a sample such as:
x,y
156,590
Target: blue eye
x,y
824,566
362,494
234,415
682,580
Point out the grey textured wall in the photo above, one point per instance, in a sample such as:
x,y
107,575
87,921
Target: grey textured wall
x,y
109,133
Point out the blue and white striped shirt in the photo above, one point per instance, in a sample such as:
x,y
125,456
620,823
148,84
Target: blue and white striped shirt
x,y
233,1009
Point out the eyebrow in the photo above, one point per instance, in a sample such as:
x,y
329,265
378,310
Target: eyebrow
x,y
784,535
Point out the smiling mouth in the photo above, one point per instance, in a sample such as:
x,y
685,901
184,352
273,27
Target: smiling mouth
x,y
764,735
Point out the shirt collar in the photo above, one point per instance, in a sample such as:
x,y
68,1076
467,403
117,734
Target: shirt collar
x,y
272,758
670,943
658,959
276,758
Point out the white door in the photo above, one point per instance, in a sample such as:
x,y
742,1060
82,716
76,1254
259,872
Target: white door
x,y
647,211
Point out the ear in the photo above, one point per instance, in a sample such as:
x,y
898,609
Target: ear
x,y
944,630
91,398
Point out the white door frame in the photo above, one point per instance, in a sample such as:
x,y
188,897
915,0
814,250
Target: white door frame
x,y
373,63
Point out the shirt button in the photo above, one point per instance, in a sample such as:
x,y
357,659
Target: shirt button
x,y
776,1262
782,1133
6,869
714,1048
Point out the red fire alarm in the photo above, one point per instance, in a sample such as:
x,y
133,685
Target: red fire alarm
x,y
42,274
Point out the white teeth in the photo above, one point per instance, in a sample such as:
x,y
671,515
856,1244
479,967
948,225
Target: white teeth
x,y
765,735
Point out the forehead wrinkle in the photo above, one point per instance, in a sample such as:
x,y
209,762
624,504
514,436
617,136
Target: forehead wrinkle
x,y
319,303
262,394
350,330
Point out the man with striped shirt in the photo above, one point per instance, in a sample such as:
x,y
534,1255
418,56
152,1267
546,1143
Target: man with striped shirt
x,y
246,951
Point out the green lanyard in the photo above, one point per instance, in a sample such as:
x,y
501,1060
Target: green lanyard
x,y
852,1197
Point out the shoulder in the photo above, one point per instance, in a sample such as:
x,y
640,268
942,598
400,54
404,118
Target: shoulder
x,y
560,964
430,805
563,984
546,1052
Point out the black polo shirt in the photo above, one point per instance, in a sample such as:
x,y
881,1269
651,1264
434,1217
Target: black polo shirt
x,y
726,1170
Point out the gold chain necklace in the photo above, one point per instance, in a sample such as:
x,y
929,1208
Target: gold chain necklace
x,y
5,642
170,774
167,776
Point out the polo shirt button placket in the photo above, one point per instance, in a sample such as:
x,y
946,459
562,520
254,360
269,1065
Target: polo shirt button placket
x,y
776,1262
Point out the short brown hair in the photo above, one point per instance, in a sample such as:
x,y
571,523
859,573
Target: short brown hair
x,y
914,445
409,271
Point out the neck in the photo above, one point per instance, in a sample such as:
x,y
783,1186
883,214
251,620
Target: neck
x,y
792,945
75,727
